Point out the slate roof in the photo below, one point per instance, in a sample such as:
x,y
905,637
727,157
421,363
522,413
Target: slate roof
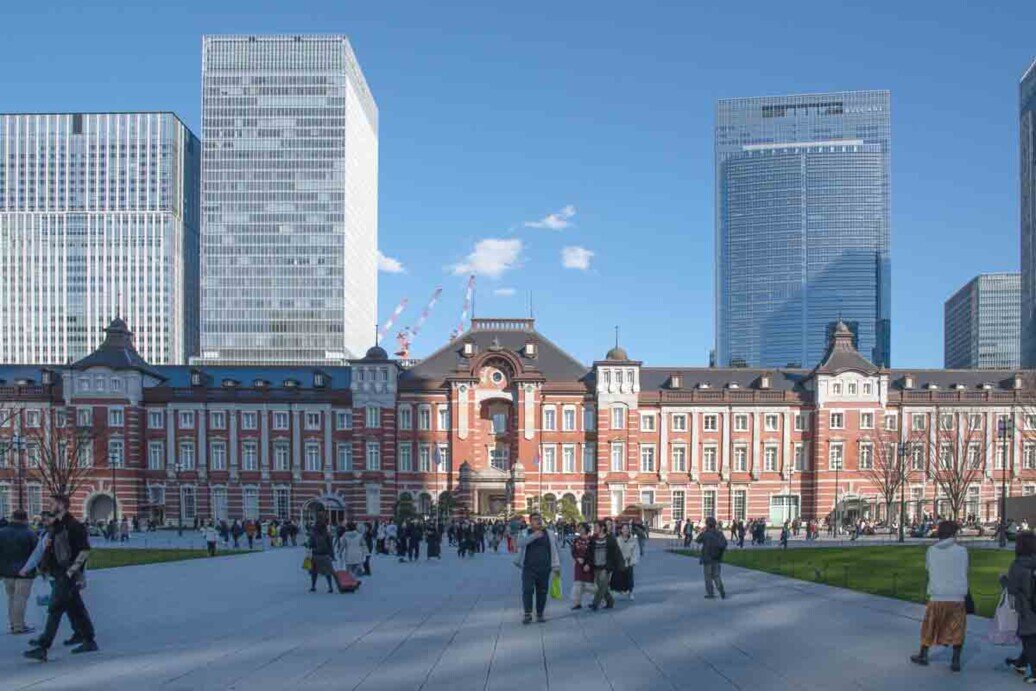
x,y
842,356
657,378
116,352
179,376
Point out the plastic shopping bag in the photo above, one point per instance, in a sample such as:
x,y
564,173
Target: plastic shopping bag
x,y
555,586
307,563
1003,630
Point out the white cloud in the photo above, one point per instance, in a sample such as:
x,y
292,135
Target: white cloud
x,y
576,258
558,220
390,265
491,257
504,292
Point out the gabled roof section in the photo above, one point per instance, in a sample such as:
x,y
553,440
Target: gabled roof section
x,y
842,355
489,335
117,352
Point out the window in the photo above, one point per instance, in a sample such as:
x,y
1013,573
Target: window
x,y
250,456
1028,490
281,456
974,457
373,500
679,504
442,458
740,459
32,454
549,459
116,453
837,420
443,418
60,418
186,419
344,419
851,388
770,459
219,503
499,423
709,422
34,499
708,459
917,422
647,458
708,503
801,422
770,422
740,504
618,417
312,456
589,458
155,419
890,423
866,420
740,423
589,419
373,455
217,420
568,419
314,419
1000,457
549,419
156,495
618,457
680,423
1029,456
975,421
944,456
33,418
946,421
647,496
344,456
99,383
282,502
249,420
568,458
218,454
280,420
1030,421
116,417
800,457
836,389
406,417
616,501
250,502
679,460
188,503
186,455
916,457
866,457
647,423
868,388
406,457
155,455
836,457
5,501
86,453
424,458
424,418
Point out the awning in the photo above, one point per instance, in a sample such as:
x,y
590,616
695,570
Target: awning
x,y
648,507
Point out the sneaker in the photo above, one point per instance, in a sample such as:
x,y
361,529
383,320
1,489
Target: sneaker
x,y
74,640
540,619
27,629
86,647
1029,680
631,595
1018,668
574,607
527,619
36,654
723,595
919,660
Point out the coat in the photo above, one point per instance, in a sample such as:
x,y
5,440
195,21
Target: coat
x,y
713,544
947,564
1020,587
630,548
581,550
351,548
17,542
613,555
526,538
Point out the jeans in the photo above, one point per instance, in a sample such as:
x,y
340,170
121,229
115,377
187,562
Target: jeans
x,y
1028,655
602,579
65,598
535,580
712,570
18,591
578,589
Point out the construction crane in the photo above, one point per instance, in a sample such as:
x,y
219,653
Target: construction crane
x,y
406,336
392,319
468,295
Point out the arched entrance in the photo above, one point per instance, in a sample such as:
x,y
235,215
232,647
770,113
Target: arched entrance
x,y
100,508
332,509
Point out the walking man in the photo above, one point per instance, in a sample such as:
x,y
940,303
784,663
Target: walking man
x,y
713,545
606,557
538,558
17,542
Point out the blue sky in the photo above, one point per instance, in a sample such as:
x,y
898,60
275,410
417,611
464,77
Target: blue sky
x,y
495,115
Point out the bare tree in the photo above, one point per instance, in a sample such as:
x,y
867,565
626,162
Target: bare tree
x,y
884,466
60,454
954,456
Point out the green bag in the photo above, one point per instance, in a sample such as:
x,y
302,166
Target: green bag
x,y
555,586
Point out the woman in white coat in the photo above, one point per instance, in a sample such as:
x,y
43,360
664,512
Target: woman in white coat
x,y
945,615
351,549
622,580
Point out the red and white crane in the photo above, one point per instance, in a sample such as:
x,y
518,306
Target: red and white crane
x,y
407,334
392,319
468,296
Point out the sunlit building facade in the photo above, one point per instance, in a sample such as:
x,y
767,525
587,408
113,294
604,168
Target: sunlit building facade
x,y
982,323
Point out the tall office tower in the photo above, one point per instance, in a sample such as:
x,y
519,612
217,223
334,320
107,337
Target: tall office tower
x,y
982,323
802,226
98,218
289,201
1027,150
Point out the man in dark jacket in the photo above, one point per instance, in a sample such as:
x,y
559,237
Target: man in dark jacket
x,y
17,541
1019,584
605,557
65,560
713,545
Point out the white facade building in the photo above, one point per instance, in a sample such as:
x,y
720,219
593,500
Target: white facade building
x,y
289,201
98,216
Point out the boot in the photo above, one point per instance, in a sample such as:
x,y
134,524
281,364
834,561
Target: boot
x,y
921,658
955,662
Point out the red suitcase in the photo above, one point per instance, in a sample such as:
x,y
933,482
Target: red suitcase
x,y
347,583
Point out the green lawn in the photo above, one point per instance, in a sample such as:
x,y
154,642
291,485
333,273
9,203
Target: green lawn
x,y
890,571
110,558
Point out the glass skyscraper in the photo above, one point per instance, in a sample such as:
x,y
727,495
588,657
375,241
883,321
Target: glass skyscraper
x,y
802,226
982,323
98,219
1027,151
289,201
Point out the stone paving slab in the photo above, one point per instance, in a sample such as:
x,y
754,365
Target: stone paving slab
x,y
249,622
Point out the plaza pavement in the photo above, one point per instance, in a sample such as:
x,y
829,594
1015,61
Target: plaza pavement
x,y
248,622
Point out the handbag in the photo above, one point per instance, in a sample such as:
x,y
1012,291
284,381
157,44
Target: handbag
x,y
969,603
1003,629
555,586
307,562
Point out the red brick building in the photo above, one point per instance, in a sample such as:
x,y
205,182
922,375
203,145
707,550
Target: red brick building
x,y
502,416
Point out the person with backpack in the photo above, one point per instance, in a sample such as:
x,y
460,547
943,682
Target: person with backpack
x,y
945,615
713,545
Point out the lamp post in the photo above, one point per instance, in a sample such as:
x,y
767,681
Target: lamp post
x,y
838,522
179,499
901,469
115,498
1005,428
18,444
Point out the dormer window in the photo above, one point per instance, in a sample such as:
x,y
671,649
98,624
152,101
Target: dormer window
x,y
319,380
836,389
1017,382
48,377
733,385
24,382
675,381
958,387
704,385
851,388
229,383
195,378
764,382
986,386
530,350
908,382
932,386
469,349
291,384
260,383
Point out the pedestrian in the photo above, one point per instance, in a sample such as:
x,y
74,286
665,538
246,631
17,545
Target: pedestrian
x,y
741,534
235,532
64,558
351,549
17,543
1020,587
629,546
211,537
413,541
583,570
945,615
124,530
605,558
321,556
785,532
538,559
250,533
713,545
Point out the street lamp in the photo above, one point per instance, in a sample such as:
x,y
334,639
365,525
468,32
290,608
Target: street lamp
x,y
1005,428
902,451
179,499
115,496
838,522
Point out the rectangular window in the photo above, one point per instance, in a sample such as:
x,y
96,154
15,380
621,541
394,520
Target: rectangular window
x,y
917,422
944,456
312,456
5,501
32,454
250,502
373,500
406,417
249,420
679,459
218,455
589,419
679,504
709,422
647,423
680,423
155,419
708,503
801,422
740,423
568,458
589,458
250,456
568,420
851,388
740,459
188,503
373,455
866,457
618,457
34,500
866,420
499,422
868,388
217,420
974,457
891,423
442,458
708,459
975,421
424,458
770,459
155,455
917,457
406,457
549,419
219,503
946,421
740,504
424,418
549,459
282,502
116,453
280,420
836,457
187,461
156,495
33,417
314,419
800,457
770,422
837,421
281,456
616,501
1029,456
647,458
1000,456
444,418
618,417
186,419
116,417
344,420
372,417
344,455
498,457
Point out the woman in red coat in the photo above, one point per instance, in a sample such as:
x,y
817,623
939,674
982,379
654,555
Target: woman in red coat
x,y
583,578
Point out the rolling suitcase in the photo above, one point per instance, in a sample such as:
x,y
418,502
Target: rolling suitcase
x,y
347,583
